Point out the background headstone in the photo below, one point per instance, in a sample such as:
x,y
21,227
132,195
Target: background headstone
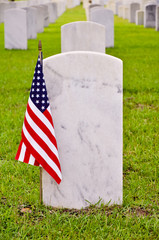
x,y
45,14
85,92
126,12
90,8
118,3
31,22
40,18
150,16
83,36
15,26
52,9
133,8
139,17
106,18
157,18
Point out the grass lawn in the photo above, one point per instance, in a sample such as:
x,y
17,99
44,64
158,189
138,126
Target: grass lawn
x,y
19,183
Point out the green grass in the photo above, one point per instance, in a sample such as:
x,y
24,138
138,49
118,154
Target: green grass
x,y
19,183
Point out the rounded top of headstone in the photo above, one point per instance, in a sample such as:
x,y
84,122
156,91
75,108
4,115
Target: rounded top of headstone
x,y
82,54
102,10
83,36
95,5
82,23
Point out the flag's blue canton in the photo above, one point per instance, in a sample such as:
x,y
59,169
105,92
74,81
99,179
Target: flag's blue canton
x,y
38,93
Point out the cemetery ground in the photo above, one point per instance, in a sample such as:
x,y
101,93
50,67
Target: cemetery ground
x,y
22,216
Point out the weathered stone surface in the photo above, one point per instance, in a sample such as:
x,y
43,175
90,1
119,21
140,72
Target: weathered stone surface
x,y
150,16
83,36
85,92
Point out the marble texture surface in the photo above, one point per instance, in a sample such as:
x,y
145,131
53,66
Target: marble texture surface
x,y
133,8
150,16
139,17
106,18
85,92
83,36
15,29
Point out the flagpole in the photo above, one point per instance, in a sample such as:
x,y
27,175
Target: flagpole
x,y
40,54
40,50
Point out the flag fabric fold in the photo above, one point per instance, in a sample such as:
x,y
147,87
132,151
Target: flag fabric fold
x,y
38,145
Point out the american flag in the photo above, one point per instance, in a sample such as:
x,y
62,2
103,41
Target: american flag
x,y
38,145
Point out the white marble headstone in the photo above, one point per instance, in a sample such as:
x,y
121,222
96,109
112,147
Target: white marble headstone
x,y
118,3
150,16
31,22
61,6
157,18
40,19
52,9
133,8
121,11
15,26
45,14
126,12
106,18
139,17
92,7
83,36
85,92
3,7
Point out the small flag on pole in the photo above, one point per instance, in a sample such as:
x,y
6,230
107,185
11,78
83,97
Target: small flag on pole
x,y
38,145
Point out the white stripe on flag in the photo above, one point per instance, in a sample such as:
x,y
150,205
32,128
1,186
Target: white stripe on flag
x,y
31,160
41,152
49,110
22,153
41,116
41,134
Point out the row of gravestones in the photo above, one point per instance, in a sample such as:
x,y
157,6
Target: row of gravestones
x,y
22,23
24,4
85,91
141,12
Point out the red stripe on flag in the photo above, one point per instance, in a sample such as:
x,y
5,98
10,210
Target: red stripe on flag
x,y
41,160
42,144
36,163
19,150
27,156
41,125
48,116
